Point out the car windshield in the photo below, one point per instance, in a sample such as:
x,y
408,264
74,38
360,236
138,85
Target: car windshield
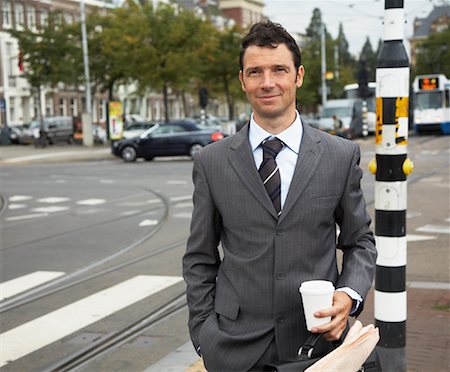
x,y
149,131
428,100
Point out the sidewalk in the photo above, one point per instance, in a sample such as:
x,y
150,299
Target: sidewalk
x,y
427,333
19,154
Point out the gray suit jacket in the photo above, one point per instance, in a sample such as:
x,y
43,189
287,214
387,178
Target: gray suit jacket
x,y
242,296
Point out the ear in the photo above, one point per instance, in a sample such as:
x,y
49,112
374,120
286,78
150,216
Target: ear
x,y
300,75
241,79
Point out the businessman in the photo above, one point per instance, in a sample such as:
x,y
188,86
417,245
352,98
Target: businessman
x,y
267,201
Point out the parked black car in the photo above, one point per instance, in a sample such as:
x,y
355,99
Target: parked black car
x,y
178,137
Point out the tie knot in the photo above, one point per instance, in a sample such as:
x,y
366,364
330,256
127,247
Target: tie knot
x,y
271,147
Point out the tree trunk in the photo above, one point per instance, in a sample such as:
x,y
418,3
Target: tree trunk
x,y
166,102
185,107
230,102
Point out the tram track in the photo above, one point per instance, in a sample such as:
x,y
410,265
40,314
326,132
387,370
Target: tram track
x,y
114,340
79,276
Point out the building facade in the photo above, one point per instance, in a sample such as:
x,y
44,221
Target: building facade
x,y
244,12
19,100
438,20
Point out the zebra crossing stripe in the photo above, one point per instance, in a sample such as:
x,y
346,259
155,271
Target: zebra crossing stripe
x,y
23,283
60,323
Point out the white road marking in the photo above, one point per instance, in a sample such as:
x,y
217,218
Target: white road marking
x,y
26,216
53,326
181,198
418,238
25,282
51,209
148,223
61,181
428,285
17,198
431,179
139,203
91,201
437,229
183,205
413,214
53,199
127,213
16,206
153,201
183,215
107,181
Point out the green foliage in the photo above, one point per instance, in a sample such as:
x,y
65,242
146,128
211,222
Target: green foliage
x,y
220,72
47,53
433,55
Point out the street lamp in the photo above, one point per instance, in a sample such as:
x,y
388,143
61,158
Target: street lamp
x,y
86,117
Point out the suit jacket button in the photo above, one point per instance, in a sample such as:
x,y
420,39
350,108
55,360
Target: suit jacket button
x,y
279,232
280,276
280,319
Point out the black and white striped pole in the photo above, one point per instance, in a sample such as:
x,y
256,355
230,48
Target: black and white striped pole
x,y
391,167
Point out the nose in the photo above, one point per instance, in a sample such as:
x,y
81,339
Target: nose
x,y
268,81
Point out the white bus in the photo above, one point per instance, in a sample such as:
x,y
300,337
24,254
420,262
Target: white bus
x,y
352,91
431,103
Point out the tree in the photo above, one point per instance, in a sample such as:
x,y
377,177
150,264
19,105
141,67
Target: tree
x,y
433,55
47,58
220,73
368,58
170,43
345,58
314,29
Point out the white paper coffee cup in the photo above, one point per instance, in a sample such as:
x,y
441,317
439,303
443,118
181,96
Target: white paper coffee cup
x,y
316,295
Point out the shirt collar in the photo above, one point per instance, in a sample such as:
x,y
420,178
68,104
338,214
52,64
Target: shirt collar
x,y
291,136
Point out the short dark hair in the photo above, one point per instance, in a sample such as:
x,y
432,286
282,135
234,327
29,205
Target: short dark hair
x,y
270,34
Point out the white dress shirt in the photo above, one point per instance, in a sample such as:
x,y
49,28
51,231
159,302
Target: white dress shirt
x,y
286,161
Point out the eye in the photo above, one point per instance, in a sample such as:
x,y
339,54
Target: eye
x,y
281,69
253,72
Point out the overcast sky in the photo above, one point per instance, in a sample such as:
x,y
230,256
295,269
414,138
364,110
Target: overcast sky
x,y
360,18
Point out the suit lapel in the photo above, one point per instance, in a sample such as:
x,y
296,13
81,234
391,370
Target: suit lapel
x,y
308,159
242,161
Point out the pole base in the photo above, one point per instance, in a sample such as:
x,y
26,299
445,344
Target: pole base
x,y
392,360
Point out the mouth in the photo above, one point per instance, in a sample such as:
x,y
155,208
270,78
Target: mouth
x,y
267,98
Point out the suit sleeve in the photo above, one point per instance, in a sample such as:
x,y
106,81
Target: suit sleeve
x,y
356,239
201,260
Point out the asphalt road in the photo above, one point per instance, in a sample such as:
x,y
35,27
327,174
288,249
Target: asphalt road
x,y
79,230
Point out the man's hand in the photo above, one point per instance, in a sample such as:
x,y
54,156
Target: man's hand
x,y
342,305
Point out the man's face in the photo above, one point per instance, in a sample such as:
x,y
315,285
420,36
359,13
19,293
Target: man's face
x,y
270,80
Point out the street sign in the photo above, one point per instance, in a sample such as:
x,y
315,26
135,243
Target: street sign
x,y
2,105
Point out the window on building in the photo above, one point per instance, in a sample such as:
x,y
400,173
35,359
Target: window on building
x,y
73,107
31,16
43,17
48,106
62,107
12,109
11,61
19,10
6,13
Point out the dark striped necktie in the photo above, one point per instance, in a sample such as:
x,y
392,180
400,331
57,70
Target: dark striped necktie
x,y
269,172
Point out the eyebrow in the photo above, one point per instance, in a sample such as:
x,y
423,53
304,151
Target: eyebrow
x,y
248,69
